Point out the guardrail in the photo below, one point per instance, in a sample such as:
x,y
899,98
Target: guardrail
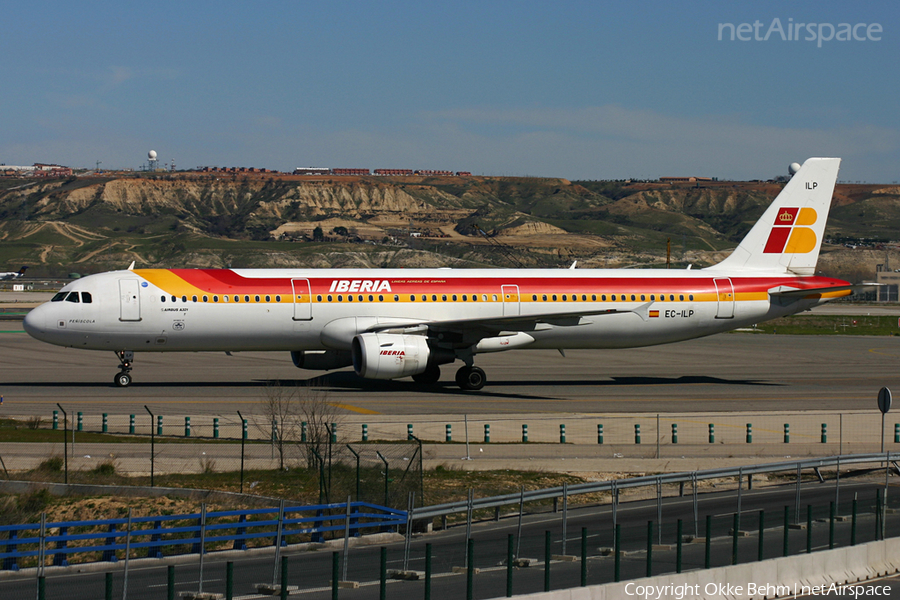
x,y
207,530
440,510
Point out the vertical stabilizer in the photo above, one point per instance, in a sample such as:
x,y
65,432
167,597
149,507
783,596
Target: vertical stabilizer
x,y
787,238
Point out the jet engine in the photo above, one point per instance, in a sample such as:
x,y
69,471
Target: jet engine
x,y
321,360
389,355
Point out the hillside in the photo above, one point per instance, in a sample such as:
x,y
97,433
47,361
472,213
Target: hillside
x,y
92,224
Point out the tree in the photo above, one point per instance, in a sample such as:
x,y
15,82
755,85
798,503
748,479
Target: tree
x,y
318,235
340,230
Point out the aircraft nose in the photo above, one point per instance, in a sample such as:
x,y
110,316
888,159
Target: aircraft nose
x,y
35,322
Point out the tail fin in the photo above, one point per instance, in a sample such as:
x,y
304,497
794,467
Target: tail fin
x,y
22,270
787,238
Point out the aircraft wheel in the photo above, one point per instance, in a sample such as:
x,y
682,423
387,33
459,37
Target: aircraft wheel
x,y
122,380
471,378
430,375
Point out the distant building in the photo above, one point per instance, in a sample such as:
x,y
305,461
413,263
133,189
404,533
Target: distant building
x,y
890,284
684,179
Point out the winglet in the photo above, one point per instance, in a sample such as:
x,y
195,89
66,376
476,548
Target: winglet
x,y
131,266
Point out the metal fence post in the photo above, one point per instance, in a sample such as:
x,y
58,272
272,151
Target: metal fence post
x,y
584,557
637,433
824,436
785,550
618,558
853,523
187,427
674,433
229,580
749,433
712,433
649,548
524,433
105,426
735,530
678,544
109,586
365,432
131,424
509,565
547,557
787,433
448,433
55,420
707,560
80,421
599,433
170,582
409,432
487,433
562,433
470,569
216,428
428,571
762,531
159,425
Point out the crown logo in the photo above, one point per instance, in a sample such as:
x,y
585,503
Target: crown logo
x,y
786,217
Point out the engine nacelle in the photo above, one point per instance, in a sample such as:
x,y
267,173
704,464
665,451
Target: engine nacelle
x,y
321,360
389,355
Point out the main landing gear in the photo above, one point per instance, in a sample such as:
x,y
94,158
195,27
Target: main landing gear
x,y
470,377
123,377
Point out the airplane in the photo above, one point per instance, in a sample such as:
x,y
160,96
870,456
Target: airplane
x,y
13,274
394,323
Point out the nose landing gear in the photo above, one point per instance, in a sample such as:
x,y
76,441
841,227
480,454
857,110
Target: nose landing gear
x,y
123,377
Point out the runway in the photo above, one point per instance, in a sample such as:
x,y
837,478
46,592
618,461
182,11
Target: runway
x,y
727,372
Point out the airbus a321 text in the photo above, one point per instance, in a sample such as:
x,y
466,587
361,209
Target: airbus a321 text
x,y
392,323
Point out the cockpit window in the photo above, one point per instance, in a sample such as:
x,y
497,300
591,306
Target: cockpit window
x,y
86,298
72,297
59,297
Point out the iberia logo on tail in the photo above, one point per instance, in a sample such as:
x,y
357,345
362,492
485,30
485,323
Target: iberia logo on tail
x,y
789,233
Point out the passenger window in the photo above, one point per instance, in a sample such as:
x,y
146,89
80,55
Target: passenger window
x,y
318,298
681,297
603,297
633,298
465,298
381,297
277,298
215,298
444,297
184,298
544,297
72,297
434,298
564,297
691,297
554,297
237,298
349,297
584,297
371,298
269,298
672,297
340,298
534,297
474,297
397,298
59,297
454,297
594,297
652,297
246,298
161,299
329,297
206,298
193,298
225,298
643,297
174,299
360,298
494,296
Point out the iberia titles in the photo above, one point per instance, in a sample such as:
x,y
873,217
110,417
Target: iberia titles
x,y
360,285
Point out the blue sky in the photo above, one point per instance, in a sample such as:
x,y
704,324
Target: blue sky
x,y
583,90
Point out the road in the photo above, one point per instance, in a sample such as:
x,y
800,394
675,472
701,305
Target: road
x,y
312,570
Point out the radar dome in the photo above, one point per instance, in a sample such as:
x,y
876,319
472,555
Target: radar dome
x,y
792,170
152,155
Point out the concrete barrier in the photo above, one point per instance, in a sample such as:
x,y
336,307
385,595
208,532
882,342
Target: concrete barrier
x,y
753,581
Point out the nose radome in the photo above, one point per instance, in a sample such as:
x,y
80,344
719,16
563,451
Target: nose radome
x,y
35,322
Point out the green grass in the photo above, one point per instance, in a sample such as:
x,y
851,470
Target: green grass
x,y
22,431
830,325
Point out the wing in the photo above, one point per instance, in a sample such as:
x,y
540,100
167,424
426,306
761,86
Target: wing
x,y
469,331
